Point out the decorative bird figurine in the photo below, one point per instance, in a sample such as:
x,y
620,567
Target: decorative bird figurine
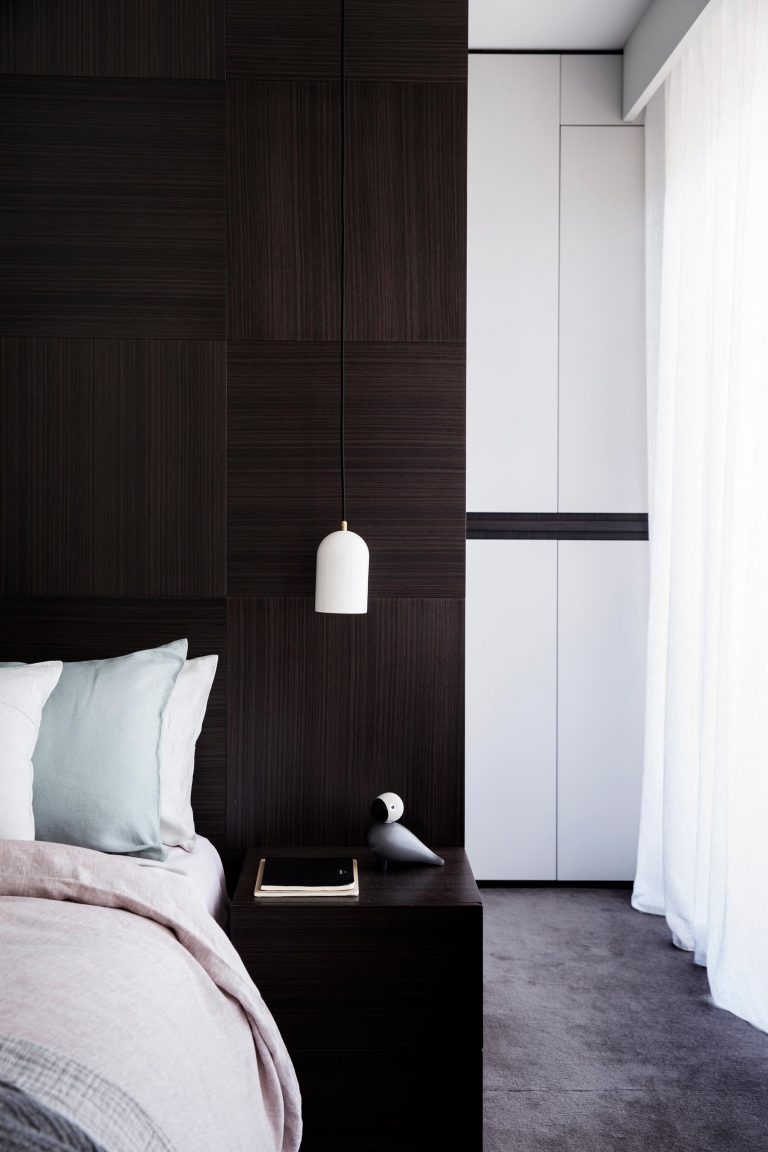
x,y
391,841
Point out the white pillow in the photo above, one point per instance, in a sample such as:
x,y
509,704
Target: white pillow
x,y
182,721
23,692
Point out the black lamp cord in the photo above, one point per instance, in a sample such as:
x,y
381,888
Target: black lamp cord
x,y
343,318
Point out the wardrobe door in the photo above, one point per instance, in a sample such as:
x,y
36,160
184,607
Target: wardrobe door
x,y
511,708
602,341
512,224
602,619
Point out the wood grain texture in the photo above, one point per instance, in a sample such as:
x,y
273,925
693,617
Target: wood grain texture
x,y
112,208
411,1101
361,949
158,38
282,470
115,267
284,210
112,468
301,39
405,464
325,712
406,437
412,941
83,629
379,999
284,39
406,40
406,211
401,886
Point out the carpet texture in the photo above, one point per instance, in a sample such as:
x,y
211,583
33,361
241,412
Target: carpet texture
x,y
600,1036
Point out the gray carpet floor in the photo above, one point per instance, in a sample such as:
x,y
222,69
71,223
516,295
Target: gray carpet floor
x,y
600,1035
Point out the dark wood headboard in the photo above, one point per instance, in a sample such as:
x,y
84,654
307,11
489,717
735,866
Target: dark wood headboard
x,y
169,323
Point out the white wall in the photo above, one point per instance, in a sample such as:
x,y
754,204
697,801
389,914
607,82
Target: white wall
x,y
556,423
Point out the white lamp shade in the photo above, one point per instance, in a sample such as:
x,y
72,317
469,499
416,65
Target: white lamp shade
x,y
341,580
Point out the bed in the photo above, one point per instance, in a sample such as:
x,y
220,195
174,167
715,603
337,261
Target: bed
x,y
203,868
125,1009
128,1022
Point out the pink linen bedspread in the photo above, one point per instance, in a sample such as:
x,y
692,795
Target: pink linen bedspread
x,y
122,968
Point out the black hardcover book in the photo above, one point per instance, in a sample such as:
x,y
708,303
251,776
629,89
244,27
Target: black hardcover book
x,y
307,874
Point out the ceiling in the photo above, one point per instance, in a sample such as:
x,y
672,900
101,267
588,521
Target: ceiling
x,y
556,24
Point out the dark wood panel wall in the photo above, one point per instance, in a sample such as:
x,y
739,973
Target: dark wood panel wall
x,y
170,277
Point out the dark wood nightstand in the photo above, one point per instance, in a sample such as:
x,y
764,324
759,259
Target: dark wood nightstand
x,y
379,1000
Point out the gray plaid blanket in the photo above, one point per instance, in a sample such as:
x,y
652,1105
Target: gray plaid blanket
x,y
49,1103
26,1125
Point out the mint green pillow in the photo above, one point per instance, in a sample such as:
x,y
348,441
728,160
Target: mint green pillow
x,y
96,761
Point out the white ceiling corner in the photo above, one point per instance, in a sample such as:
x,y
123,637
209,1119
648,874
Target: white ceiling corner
x,y
581,25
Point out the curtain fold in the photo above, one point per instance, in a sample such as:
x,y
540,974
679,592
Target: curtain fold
x,y
703,850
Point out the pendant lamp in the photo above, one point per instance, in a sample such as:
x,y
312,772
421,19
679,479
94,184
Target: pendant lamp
x,y
341,577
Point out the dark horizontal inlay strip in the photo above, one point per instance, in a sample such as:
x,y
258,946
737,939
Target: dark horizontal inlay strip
x,y
557,526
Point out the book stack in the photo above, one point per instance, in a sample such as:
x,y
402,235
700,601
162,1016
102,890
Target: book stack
x,y
307,876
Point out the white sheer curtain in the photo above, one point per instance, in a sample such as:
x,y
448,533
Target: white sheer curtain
x,y
703,856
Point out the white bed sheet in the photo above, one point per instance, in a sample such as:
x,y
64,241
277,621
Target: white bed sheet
x,y
203,868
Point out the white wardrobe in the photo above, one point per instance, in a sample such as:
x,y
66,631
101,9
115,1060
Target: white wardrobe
x,y
555,644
